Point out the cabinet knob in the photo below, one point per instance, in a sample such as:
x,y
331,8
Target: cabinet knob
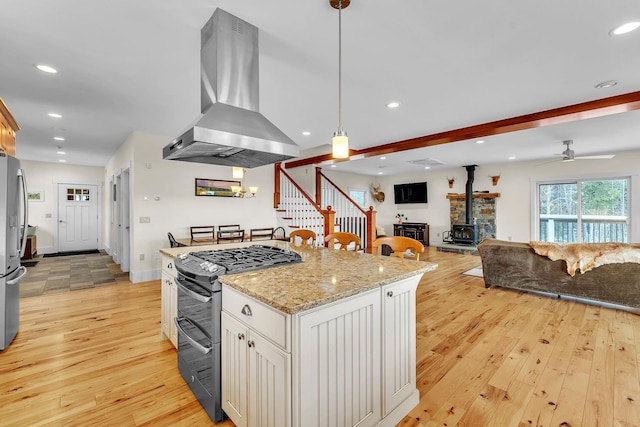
x,y
170,266
390,294
246,310
251,343
240,336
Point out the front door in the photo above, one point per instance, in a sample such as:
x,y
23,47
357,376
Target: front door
x,y
77,217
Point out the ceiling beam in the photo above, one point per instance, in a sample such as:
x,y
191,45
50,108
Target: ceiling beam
x,y
585,110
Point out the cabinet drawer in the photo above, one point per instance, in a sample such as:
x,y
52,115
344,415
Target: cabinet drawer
x,y
271,323
168,266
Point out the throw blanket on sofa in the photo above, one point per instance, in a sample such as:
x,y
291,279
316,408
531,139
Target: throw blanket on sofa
x,y
586,256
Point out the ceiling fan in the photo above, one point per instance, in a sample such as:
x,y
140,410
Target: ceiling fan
x,y
568,155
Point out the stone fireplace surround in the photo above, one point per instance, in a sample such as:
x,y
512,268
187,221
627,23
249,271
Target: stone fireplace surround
x,y
484,210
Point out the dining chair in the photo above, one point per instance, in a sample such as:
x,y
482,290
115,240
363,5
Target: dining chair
x,y
261,233
345,239
280,234
231,235
306,236
172,240
399,246
202,233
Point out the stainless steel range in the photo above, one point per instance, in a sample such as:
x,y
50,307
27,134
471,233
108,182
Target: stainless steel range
x,y
199,308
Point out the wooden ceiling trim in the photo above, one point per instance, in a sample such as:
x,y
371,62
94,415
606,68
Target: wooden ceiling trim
x,y
585,110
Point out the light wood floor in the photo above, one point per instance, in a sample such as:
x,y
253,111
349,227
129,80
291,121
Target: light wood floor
x,y
486,357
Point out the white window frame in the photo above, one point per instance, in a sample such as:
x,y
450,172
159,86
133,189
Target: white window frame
x,y
633,219
367,201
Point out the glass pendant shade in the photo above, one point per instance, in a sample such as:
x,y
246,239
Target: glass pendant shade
x,y
340,145
238,172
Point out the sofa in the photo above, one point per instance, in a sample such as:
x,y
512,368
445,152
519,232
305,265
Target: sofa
x,y
516,265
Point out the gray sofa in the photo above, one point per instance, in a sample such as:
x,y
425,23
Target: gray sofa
x,y
516,265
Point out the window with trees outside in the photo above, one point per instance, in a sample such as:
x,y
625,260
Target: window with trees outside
x,y
583,211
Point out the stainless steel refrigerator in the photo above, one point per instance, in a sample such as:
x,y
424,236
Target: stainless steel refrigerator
x,y
13,238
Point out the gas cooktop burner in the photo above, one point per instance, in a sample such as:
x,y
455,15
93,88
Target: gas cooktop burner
x,y
234,260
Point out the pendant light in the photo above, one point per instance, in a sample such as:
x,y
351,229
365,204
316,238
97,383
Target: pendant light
x,y
340,141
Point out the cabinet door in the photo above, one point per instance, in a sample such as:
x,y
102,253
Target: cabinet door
x,y
269,384
234,369
399,338
338,366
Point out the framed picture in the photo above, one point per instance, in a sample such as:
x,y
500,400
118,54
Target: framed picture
x,y
215,187
35,196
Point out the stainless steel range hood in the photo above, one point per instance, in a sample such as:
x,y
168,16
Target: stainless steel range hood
x,y
230,131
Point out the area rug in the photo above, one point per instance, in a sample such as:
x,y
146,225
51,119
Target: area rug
x,y
89,252
475,271
29,263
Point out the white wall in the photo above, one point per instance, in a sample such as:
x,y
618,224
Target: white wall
x,y
164,191
513,208
42,176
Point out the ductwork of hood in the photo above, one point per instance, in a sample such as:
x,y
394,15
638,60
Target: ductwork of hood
x,y
230,131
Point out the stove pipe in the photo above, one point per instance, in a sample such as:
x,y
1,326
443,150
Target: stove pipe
x,y
468,195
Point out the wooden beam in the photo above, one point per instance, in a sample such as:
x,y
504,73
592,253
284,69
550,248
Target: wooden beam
x,y
585,110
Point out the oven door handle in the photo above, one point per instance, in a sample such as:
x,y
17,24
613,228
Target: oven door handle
x,y
192,293
201,348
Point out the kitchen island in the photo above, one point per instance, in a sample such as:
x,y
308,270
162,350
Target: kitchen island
x,y
328,341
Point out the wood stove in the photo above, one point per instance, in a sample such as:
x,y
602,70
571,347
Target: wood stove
x,y
466,234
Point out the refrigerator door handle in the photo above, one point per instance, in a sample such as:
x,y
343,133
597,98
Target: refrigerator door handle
x,y
23,180
18,279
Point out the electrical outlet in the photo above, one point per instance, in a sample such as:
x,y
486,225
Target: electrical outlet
x,y
509,237
47,215
141,257
145,219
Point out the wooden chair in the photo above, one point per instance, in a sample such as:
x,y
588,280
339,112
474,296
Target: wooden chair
x,y
172,240
203,233
399,245
280,234
232,235
306,236
261,234
344,239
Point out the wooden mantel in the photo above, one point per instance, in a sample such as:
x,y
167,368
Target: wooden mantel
x,y
475,196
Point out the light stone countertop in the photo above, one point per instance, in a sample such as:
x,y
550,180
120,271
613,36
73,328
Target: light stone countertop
x,y
325,275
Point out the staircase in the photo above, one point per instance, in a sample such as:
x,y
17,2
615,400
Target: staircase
x,y
296,209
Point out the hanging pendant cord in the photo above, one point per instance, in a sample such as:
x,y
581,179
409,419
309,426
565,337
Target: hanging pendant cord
x,y
340,66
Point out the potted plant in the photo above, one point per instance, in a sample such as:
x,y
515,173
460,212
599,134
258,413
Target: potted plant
x,y
401,218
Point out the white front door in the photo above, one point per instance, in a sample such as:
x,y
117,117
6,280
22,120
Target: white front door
x,y
77,217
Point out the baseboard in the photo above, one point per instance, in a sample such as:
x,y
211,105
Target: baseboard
x,y
144,276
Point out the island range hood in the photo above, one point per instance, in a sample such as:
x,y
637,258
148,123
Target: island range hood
x,y
230,131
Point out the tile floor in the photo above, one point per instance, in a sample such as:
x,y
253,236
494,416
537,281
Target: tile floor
x,y
69,273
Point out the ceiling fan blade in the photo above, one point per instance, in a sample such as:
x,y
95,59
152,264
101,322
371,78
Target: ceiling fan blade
x,y
602,156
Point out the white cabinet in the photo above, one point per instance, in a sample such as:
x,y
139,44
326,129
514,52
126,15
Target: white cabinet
x,y
399,347
169,305
256,373
348,363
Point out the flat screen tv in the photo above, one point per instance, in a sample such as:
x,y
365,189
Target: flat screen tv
x,y
415,192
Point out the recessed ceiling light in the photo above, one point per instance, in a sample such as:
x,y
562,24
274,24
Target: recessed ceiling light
x,y
608,83
58,138
624,28
306,133
46,69
512,157
379,173
333,166
55,115
62,160
480,141
383,158
393,105
61,152
427,167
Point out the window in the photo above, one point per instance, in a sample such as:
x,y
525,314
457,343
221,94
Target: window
x,y
78,194
583,211
359,196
